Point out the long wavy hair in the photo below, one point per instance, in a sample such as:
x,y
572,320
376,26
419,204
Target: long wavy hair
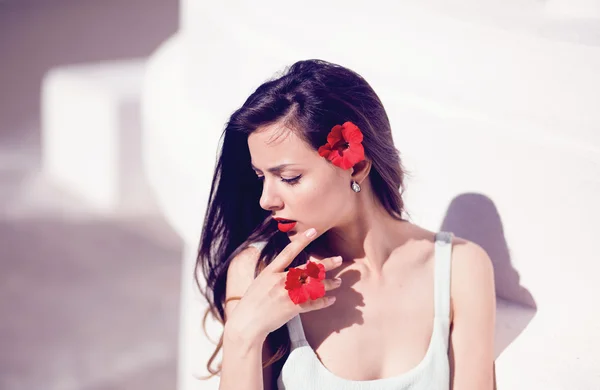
x,y
310,97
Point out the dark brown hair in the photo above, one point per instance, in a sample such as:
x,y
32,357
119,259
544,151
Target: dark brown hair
x,y
311,96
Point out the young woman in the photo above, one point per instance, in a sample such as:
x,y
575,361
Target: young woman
x,y
310,262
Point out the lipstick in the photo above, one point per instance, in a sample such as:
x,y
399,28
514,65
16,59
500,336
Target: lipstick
x,y
285,225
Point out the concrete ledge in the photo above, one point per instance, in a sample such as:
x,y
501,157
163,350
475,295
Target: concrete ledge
x,y
91,134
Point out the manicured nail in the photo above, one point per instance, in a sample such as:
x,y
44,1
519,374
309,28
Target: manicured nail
x,y
337,281
338,260
330,299
310,233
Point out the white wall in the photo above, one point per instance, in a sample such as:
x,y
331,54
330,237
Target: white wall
x,y
39,35
494,108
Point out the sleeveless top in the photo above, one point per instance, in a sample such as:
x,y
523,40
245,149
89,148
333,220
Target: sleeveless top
x,y
304,371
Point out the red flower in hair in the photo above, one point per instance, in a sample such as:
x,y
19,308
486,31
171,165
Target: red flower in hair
x,y
306,283
344,146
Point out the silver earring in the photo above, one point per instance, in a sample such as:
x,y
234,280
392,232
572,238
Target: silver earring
x,y
355,186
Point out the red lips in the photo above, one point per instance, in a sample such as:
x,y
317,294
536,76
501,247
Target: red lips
x,y
285,225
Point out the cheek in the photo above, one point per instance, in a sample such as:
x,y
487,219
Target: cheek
x,y
321,201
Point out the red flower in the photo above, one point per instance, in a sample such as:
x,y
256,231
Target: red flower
x,y
306,283
344,146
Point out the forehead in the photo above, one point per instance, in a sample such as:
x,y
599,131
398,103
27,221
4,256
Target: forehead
x,y
276,144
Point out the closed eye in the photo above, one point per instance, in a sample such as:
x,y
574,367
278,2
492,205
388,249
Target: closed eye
x,y
292,181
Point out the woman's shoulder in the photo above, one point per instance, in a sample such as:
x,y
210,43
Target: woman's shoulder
x,y
472,273
461,246
472,277
471,263
469,260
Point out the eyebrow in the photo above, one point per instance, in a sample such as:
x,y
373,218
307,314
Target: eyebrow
x,y
275,169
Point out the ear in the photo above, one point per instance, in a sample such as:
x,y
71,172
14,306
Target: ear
x,y
360,171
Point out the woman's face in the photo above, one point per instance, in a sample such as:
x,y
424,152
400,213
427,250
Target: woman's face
x,y
298,184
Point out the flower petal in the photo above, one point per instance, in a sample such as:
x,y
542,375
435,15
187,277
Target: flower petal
x,y
345,164
292,279
315,288
352,133
335,135
344,146
336,158
315,270
325,150
299,295
354,154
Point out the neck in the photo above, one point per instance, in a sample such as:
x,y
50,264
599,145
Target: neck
x,y
368,238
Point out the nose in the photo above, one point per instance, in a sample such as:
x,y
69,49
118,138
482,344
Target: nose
x,y
270,200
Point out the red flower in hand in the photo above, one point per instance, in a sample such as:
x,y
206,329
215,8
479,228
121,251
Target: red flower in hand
x,y
344,146
306,283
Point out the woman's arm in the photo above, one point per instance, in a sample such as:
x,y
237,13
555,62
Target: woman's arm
x,y
243,355
474,313
242,362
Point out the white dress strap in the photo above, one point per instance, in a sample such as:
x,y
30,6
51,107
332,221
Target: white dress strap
x,y
443,266
258,244
296,332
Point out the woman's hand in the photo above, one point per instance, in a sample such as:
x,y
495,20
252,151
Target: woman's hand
x,y
266,306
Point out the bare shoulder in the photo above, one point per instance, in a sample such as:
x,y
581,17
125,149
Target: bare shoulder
x,y
472,280
243,265
240,275
470,262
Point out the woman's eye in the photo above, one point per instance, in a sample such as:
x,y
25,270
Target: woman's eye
x,y
293,180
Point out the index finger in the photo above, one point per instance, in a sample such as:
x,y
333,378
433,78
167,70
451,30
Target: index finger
x,y
289,253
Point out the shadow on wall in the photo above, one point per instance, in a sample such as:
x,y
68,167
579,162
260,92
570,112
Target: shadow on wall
x,y
36,36
474,217
88,304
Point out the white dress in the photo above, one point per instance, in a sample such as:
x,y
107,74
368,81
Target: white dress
x,y
304,371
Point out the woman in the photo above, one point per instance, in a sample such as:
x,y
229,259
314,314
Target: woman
x,y
312,152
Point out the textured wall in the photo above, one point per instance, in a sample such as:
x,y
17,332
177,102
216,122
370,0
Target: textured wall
x,y
494,108
36,36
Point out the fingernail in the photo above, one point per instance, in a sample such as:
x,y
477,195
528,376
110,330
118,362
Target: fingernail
x,y
310,233
338,260
330,299
337,281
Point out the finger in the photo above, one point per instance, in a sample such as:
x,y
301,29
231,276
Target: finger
x,y
330,262
331,284
289,253
317,304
